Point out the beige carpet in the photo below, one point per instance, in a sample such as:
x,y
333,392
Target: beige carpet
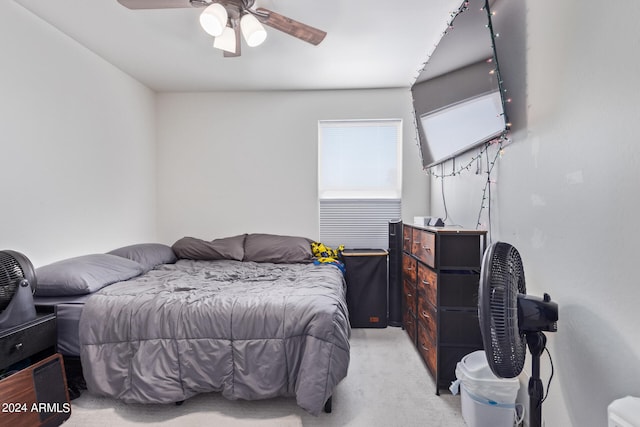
x,y
387,385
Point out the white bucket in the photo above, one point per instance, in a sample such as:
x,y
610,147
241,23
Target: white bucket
x,y
624,412
487,401
474,372
479,412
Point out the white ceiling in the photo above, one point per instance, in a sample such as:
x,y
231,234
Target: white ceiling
x,y
369,44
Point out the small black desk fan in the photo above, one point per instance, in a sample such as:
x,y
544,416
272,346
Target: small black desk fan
x,y
511,320
17,285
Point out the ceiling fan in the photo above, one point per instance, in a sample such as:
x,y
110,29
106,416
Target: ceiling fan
x,y
227,19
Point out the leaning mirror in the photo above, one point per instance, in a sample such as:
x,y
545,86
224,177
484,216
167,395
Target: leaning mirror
x,y
457,97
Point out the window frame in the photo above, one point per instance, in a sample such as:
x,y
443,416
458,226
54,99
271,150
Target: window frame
x,y
360,218
361,194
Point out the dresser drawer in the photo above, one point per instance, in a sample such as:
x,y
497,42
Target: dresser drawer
x,y
426,315
449,358
25,340
406,239
460,327
428,284
409,296
410,324
427,348
409,268
424,246
459,289
460,252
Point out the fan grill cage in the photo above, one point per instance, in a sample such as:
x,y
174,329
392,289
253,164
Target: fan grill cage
x,y
502,281
14,267
10,273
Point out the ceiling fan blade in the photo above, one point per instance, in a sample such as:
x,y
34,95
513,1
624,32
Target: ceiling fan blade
x,y
297,29
155,4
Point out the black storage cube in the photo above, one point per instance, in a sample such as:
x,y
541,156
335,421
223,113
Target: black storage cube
x,y
366,287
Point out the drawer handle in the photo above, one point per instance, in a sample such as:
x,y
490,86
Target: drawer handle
x,y
18,346
426,248
407,238
425,315
425,348
426,283
409,269
409,294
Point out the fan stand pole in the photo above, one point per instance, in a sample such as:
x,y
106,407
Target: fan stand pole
x,y
536,342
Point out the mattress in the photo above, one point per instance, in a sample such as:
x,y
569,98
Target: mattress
x,y
68,310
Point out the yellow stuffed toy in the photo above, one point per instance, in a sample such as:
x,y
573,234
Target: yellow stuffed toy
x,y
325,254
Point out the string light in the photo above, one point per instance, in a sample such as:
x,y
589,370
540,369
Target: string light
x,y
467,166
498,142
486,192
452,16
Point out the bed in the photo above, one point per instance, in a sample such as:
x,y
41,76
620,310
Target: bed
x,y
249,316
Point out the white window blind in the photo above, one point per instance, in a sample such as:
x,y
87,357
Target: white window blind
x,y
357,223
360,159
359,181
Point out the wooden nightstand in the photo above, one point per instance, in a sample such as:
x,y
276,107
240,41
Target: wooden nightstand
x,y
33,390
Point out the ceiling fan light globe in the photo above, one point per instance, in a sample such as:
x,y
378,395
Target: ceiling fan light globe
x,y
252,30
214,19
226,41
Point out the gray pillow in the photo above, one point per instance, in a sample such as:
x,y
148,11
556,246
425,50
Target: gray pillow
x,y
198,249
277,249
84,274
148,255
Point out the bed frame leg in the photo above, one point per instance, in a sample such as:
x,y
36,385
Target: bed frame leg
x,y
327,405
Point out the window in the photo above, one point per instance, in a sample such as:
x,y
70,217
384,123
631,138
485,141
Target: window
x,y
359,181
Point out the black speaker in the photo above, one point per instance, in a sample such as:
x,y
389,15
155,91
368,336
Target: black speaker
x,y
395,273
51,391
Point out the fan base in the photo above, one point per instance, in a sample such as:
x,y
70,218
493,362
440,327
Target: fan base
x,y
21,309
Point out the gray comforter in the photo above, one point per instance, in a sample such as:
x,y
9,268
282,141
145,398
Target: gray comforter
x,y
248,330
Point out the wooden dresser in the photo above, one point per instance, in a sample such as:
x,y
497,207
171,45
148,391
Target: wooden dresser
x,y
441,273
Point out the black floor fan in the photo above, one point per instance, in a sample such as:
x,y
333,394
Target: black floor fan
x,y
17,283
511,320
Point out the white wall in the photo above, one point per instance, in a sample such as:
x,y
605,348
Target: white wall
x,y
238,162
566,192
77,146
79,138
